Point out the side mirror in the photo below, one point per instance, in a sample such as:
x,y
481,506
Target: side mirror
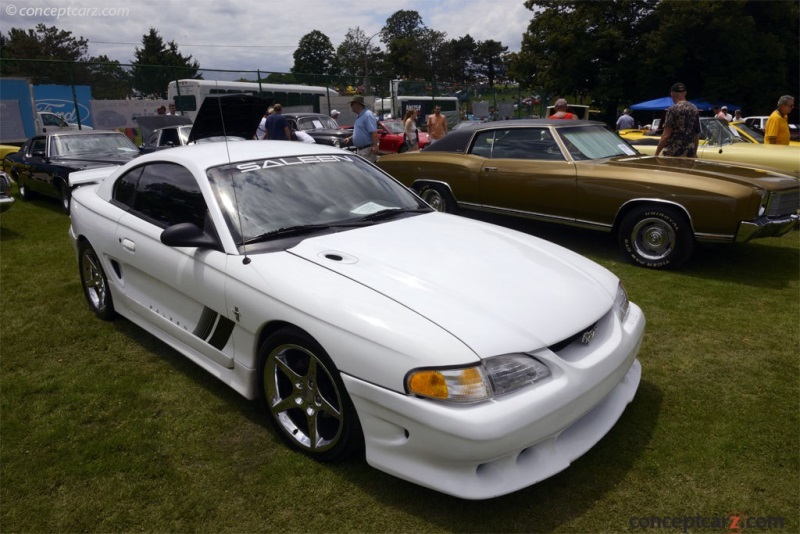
x,y
189,235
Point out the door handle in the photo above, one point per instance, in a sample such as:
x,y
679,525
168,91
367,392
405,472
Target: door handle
x,y
127,244
490,169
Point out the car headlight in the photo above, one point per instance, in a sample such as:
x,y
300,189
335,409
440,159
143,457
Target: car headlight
x,y
621,303
494,377
337,142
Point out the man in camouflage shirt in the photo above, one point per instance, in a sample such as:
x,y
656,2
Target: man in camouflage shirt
x,y
681,127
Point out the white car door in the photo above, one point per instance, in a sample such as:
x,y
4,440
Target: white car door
x,y
179,291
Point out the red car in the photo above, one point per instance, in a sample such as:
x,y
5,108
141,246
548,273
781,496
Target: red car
x,y
390,135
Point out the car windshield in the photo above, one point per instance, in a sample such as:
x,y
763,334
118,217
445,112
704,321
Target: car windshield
x,y
91,144
394,126
755,134
594,142
319,122
271,196
719,133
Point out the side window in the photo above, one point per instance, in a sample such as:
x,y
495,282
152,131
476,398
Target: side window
x,y
125,188
482,146
163,193
169,137
528,143
38,145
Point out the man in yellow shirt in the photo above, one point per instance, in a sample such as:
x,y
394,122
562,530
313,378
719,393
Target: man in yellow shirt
x,y
777,130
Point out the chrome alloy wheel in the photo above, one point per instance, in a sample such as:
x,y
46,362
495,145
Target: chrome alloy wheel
x,y
303,398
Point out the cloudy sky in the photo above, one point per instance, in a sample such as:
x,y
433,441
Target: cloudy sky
x,y
262,35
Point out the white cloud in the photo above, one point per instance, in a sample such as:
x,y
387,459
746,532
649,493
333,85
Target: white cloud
x,y
228,34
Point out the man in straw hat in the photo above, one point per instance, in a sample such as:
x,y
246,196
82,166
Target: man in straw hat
x,y
365,130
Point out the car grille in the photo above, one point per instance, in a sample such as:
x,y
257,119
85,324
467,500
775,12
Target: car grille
x,y
5,183
783,203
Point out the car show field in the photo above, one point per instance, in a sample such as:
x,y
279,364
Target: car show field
x,y
106,428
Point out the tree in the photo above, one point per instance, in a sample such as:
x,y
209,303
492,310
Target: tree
x,y
488,59
581,48
431,43
54,51
456,59
313,59
693,43
109,80
401,35
157,64
357,58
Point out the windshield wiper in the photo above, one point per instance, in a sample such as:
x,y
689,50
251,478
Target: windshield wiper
x,y
303,229
288,231
389,213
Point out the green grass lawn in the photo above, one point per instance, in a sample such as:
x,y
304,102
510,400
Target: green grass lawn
x,y
105,429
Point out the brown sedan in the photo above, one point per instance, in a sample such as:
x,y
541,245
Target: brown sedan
x,y
582,174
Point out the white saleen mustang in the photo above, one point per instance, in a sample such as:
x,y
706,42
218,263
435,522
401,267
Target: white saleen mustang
x,y
462,356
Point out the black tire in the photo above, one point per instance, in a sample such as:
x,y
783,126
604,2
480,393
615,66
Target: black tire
x,y
656,237
24,192
64,195
439,197
306,398
94,283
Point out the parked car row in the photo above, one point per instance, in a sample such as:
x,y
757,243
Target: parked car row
x,y
582,174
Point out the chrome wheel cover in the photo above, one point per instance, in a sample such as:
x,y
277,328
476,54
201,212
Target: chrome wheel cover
x,y
94,283
303,397
654,238
434,198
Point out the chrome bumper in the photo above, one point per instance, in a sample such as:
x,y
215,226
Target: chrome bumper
x,y
764,227
5,202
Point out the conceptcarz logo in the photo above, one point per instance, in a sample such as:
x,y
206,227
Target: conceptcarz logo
x,y
733,522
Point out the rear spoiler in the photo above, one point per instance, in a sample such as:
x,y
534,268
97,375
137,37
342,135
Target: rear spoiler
x,y
91,176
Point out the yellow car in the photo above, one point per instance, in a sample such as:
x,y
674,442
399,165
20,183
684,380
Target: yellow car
x,y
719,141
753,135
5,150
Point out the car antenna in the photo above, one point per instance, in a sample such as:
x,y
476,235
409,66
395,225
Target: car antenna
x,y
246,260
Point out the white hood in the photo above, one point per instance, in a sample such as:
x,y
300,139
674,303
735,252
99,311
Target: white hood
x,y
495,289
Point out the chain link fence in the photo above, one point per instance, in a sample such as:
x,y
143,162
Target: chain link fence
x,y
112,95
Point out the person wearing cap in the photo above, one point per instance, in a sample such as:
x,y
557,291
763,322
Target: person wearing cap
x,y
724,111
776,131
365,130
335,114
681,126
560,110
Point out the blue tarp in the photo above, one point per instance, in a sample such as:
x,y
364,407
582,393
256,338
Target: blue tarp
x,y
660,104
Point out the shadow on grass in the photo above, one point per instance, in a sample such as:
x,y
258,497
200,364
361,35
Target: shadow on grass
x,y
770,263
544,506
541,507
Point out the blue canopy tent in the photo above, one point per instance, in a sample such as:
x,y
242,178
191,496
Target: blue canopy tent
x,y
660,104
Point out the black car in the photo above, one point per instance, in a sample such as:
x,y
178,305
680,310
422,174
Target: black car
x,y
322,128
43,164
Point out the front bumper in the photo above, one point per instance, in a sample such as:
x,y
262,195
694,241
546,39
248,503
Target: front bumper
x,y
493,448
6,202
764,227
